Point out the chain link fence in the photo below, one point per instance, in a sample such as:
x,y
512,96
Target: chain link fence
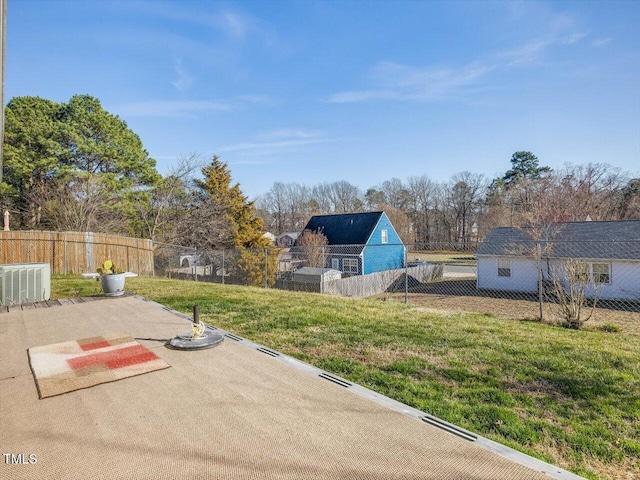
x,y
568,282
562,281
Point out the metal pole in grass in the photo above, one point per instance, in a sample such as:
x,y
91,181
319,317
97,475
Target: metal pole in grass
x,y
65,268
540,288
322,275
223,266
266,268
406,278
195,264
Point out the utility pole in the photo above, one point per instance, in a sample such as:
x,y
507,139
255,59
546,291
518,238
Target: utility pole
x,y
3,44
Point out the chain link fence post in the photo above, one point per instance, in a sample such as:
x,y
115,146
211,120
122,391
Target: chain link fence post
x,y
266,268
65,268
540,281
195,264
322,276
406,278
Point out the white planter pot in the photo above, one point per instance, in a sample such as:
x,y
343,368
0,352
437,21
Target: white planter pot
x,y
113,285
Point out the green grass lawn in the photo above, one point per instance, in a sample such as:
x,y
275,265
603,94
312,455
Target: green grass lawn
x,y
569,397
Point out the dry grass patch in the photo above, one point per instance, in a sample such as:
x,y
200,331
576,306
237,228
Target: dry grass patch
x,y
447,305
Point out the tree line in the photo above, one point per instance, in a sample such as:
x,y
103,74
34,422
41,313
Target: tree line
x,y
73,166
465,208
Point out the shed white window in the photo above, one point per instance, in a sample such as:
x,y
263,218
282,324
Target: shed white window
x,y
601,272
385,236
504,267
350,265
335,263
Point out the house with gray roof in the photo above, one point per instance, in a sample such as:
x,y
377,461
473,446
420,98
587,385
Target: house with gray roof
x,y
610,250
287,239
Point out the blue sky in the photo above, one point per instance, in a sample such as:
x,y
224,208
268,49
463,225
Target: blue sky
x,y
361,91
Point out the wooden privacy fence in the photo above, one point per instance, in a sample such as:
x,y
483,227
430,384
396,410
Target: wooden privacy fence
x,y
76,252
396,280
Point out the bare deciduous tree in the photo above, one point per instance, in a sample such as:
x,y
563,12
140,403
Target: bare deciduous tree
x,y
285,207
159,211
81,205
466,192
421,189
574,291
396,194
311,245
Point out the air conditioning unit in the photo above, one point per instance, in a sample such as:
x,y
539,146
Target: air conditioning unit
x,y
24,283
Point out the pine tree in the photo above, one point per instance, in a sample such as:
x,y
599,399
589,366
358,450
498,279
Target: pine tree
x,y
247,225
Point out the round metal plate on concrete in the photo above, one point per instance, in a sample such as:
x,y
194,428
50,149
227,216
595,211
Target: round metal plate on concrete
x,y
185,342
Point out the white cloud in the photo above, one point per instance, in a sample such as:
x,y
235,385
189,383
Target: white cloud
x,y
235,25
394,81
232,24
168,108
574,37
403,82
257,99
362,95
277,142
524,54
183,81
290,133
602,42
268,145
185,108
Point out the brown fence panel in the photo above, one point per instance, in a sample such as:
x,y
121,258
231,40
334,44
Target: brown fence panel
x,y
76,252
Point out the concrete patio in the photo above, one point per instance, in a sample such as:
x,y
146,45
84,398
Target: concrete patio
x,y
237,411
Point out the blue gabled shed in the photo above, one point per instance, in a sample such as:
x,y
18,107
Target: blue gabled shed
x,y
359,243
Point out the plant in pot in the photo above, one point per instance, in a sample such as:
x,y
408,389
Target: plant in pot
x,y
112,279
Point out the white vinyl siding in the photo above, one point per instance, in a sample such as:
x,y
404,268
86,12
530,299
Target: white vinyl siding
x,y
623,281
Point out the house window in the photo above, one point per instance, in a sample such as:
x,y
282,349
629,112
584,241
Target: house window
x,y
335,263
504,267
385,236
601,272
350,265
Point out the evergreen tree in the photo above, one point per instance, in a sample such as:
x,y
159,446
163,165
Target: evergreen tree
x,y
246,224
523,165
32,151
70,165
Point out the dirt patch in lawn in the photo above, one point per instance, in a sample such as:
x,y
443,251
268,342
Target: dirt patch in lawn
x,y
462,296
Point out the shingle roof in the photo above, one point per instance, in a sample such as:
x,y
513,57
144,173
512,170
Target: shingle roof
x,y
292,235
346,228
618,239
